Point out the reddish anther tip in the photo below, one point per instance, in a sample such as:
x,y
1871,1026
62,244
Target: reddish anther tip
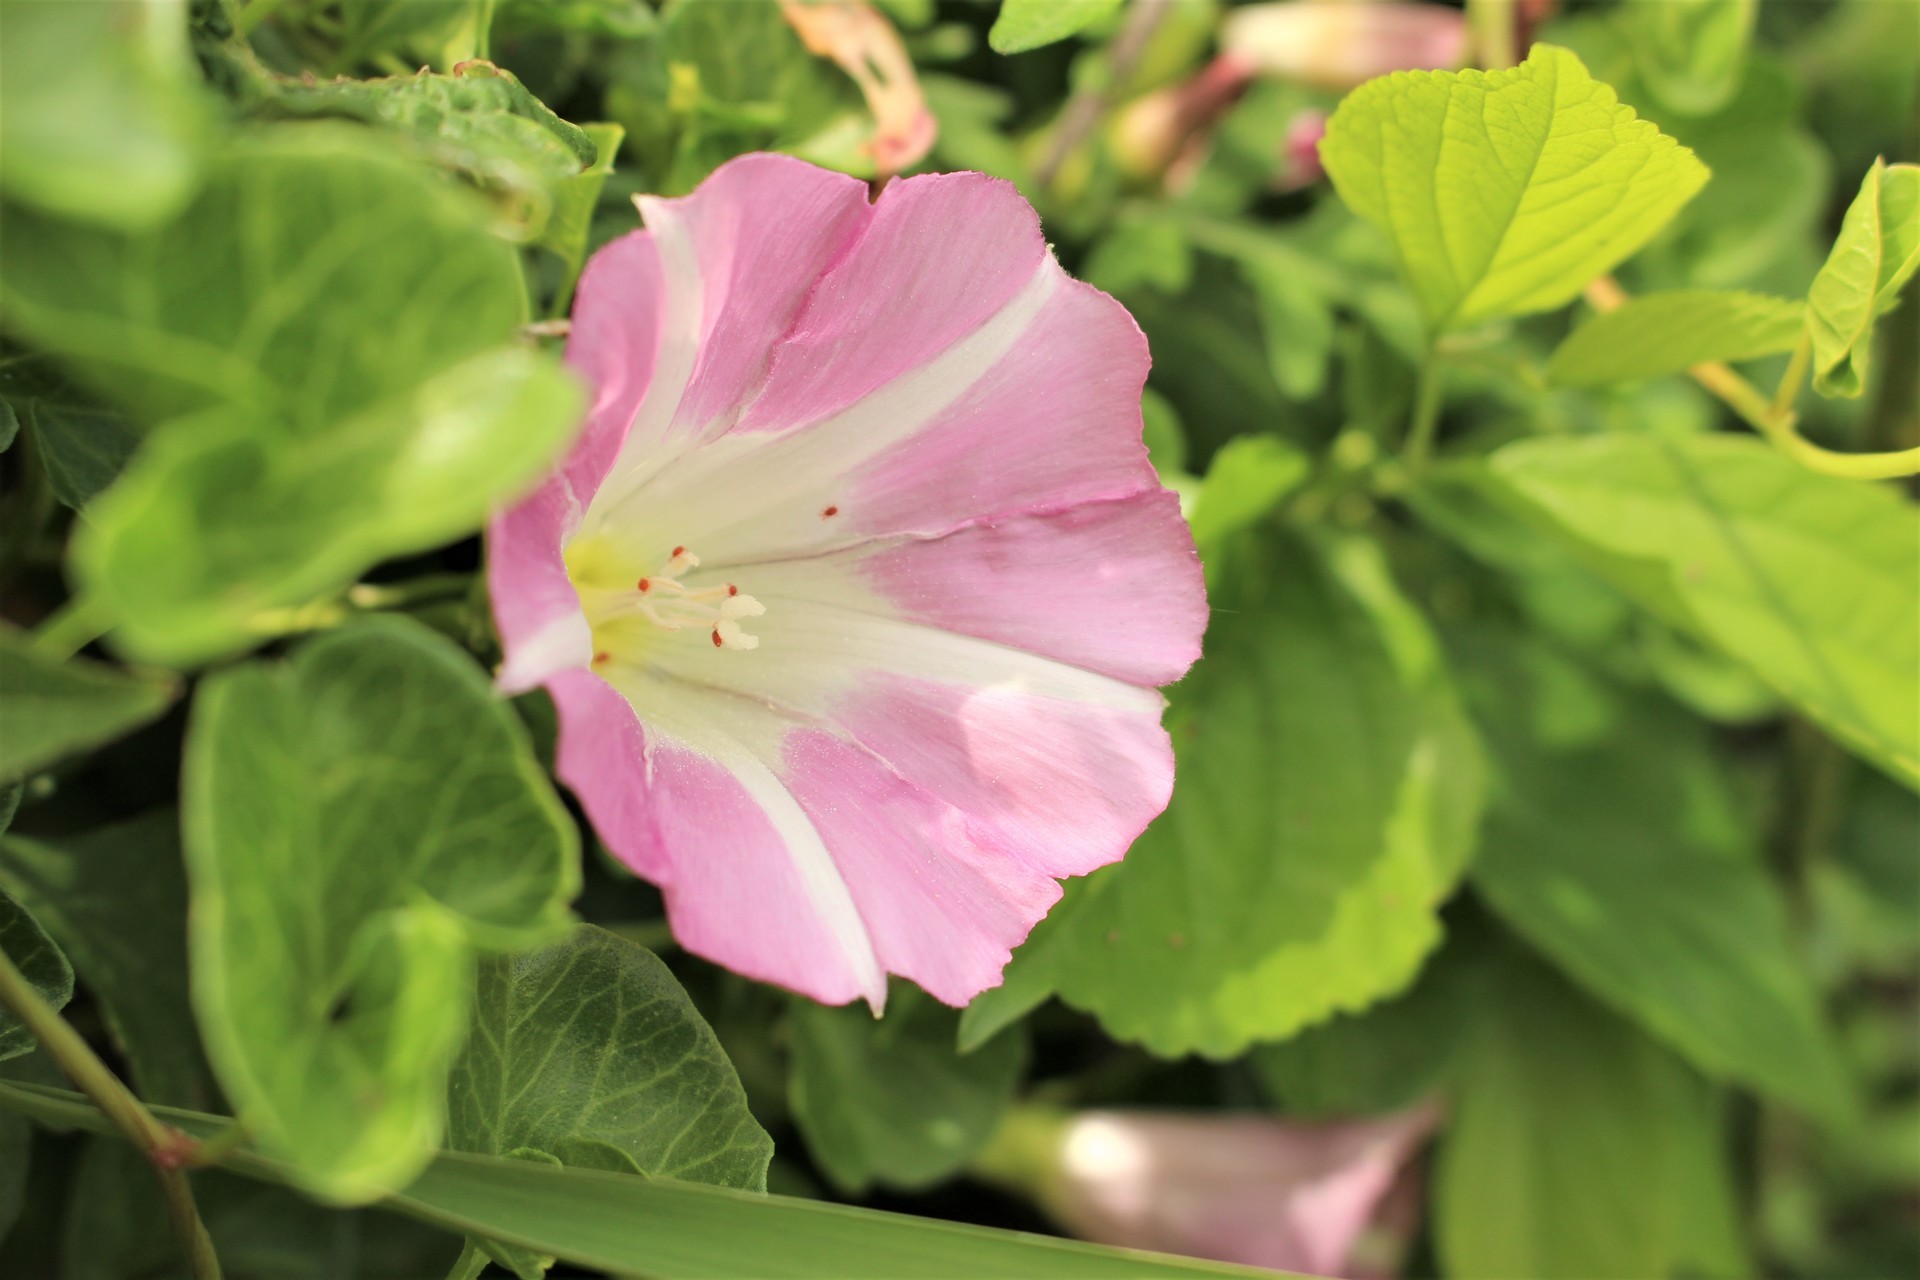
x,y
716,638
679,551
829,513
599,658
732,590
645,583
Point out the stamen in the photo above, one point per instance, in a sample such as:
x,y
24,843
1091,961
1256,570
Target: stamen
x,y
671,605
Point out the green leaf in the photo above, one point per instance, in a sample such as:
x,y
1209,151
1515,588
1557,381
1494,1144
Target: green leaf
x,y
50,709
215,525
1384,1059
101,110
668,1230
574,202
590,1051
339,226
1691,53
1661,333
1566,1140
84,449
891,1100
358,820
1877,252
478,120
1328,788
9,426
1245,481
1806,579
16,1146
116,899
1029,24
1622,860
1504,192
40,962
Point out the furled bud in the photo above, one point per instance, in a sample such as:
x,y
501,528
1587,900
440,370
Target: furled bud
x,y
1338,44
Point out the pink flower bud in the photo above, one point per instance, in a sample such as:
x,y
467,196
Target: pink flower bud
x,y
865,45
1337,44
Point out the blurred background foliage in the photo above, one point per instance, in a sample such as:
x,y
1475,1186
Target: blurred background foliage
x,y
1501,817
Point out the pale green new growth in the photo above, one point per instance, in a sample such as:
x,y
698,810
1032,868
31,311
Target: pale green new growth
x,y
358,821
1505,192
1877,252
1029,24
1663,333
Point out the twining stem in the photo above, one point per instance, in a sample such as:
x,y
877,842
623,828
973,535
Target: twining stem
x,y
1083,110
1426,412
166,1148
1775,418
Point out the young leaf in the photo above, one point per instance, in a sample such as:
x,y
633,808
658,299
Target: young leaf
x,y
1622,861
1661,333
1504,192
1029,24
358,820
1248,478
1327,796
1806,579
116,898
889,1100
50,709
1877,252
1565,1141
216,522
40,962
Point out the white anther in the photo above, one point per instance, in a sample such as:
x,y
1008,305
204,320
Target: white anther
x,y
730,635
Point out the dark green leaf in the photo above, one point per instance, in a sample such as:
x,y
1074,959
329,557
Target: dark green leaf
x,y
589,1051
1623,861
40,962
84,449
1567,1141
116,900
50,709
16,1141
891,1100
668,1230
357,821
1328,789
1806,579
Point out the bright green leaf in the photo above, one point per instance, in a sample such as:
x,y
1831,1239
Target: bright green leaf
x,y
1691,53
1623,863
1245,481
101,110
891,1100
1661,333
1504,192
40,962
1877,252
357,821
214,525
1328,789
1806,579
50,709
1029,24
116,899
1565,1142
670,1230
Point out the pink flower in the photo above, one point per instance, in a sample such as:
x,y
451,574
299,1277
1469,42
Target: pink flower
x,y
855,592
1237,1188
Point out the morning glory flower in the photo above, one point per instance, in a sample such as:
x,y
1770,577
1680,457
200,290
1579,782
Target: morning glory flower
x,y
855,593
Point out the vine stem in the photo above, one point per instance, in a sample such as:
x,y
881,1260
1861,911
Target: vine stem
x,y
1426,412
166,1148
1775,418
74,626
471,1262
1083,111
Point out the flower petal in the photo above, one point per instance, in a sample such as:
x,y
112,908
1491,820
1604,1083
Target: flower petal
x,y
536,608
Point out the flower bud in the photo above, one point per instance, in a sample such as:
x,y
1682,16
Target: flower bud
x,y
1338,44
